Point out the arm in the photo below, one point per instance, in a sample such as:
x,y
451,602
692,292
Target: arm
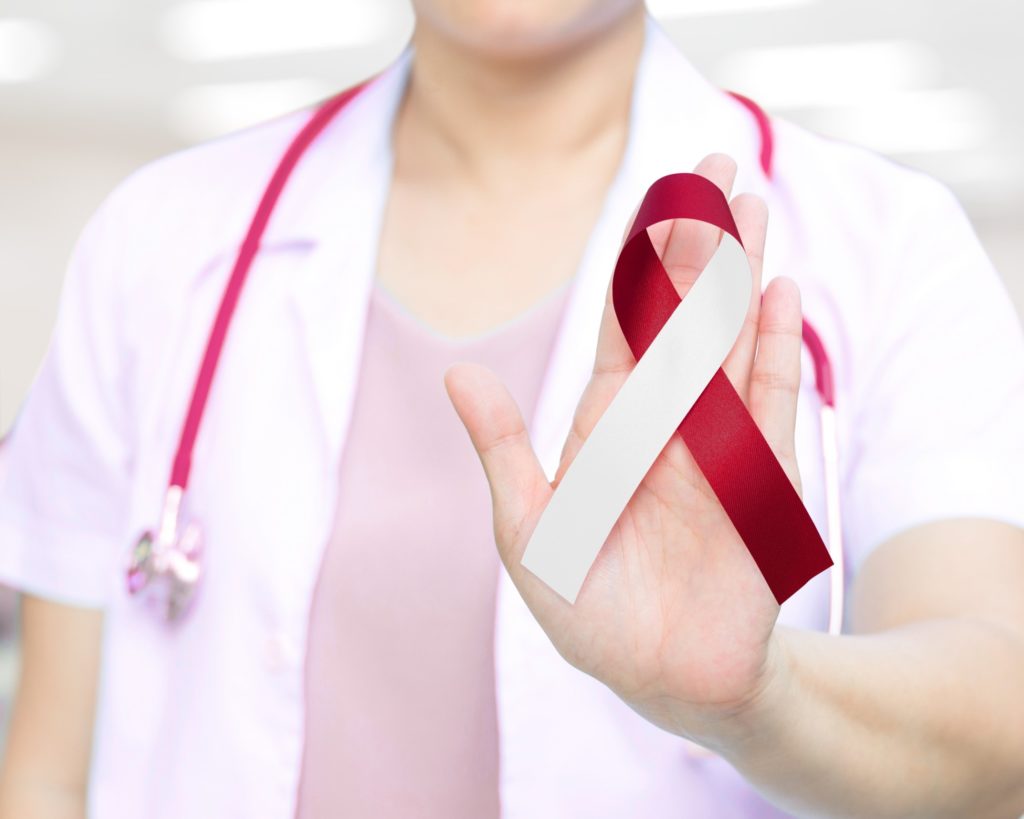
x,y
917,714
920,712
46,764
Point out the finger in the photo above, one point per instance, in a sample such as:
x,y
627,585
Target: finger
x,y
597,395
613,362
628,225
775,380
686,245
496,428
751,216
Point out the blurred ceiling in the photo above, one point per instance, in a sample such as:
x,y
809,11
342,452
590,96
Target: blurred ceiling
x,y
931,83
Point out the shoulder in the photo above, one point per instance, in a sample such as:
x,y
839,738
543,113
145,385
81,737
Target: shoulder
x,y
167,227
851,194
864,233
193,195
886,256
154,252
139,256
175,216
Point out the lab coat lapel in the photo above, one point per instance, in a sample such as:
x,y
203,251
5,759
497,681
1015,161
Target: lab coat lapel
x,y
329,309
569,746
345,179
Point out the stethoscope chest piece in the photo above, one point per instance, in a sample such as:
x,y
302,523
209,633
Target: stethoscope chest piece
x,y
164,568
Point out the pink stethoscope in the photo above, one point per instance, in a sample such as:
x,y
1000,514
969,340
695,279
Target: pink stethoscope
x,y
165,565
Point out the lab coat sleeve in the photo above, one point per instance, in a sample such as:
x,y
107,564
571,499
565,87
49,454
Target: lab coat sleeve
x,y
935,418
65,471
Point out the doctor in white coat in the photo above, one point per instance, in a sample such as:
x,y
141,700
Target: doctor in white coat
x,y
496,162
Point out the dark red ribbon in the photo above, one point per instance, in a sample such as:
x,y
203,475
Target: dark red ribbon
x,y
721,435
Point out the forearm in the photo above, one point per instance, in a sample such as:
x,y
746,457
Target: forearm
x,y
924,720
45,770
21,798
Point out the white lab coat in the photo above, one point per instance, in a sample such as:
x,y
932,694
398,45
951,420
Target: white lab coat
x,y
205,719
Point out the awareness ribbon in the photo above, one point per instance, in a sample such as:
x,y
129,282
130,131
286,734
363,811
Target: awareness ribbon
x,y
678,386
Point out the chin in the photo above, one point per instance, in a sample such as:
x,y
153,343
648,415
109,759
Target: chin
x,y
511,28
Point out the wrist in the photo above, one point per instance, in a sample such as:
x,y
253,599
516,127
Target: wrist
x,y
741,729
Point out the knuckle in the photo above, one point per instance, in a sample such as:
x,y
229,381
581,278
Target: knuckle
x,y
782,328
776,382
516,436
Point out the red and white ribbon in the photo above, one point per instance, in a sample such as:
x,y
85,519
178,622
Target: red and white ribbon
x,y
678,386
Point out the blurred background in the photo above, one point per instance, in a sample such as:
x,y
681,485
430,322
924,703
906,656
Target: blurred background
x,y
89,91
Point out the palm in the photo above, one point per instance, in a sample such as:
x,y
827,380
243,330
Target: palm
x,y
674,601
674,606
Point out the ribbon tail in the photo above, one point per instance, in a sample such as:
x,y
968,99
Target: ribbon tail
x,y
753,489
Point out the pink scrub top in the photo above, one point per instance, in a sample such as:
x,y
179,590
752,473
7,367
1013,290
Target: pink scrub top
x,y
400,701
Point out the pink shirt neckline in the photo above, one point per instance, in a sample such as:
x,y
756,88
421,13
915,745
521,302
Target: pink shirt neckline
x,y
401,716
382,297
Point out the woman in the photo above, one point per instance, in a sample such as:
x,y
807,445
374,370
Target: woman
x,y
355,649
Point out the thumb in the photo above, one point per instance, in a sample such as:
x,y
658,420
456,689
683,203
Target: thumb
x,y
519,487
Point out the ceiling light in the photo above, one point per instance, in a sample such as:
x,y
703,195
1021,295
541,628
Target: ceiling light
x,y
828,74
205,30
911,122
28,49
669,9
987,174
208,111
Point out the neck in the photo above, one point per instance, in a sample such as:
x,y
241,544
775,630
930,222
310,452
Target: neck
x,y
497,121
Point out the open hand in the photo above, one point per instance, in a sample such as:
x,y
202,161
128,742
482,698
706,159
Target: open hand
x,y
674,616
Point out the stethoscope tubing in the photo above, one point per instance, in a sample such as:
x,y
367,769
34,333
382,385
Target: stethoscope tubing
x,y
168,531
